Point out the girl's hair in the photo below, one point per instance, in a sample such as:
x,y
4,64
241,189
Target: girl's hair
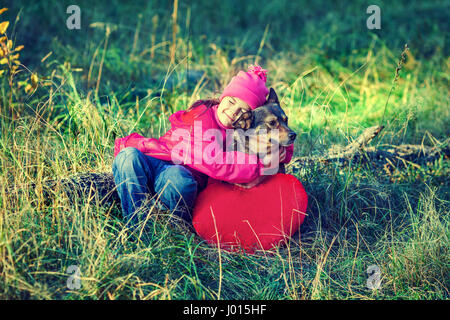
x,y
208,103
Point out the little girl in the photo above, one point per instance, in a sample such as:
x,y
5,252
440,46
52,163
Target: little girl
x,y
144,167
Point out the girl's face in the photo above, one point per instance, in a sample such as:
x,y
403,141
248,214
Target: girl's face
x,y
230,109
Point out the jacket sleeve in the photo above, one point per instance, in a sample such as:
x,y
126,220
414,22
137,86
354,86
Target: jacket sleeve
x,y
230,166
128,141
143,144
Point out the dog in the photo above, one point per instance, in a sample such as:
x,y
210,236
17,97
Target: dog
x,y
264,121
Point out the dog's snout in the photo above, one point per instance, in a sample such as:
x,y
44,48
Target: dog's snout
x,y
292,135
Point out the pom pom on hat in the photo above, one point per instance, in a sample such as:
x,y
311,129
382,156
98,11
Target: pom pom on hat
x,y
260,72
248,86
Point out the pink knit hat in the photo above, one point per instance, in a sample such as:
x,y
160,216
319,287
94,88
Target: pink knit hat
x,y
248,86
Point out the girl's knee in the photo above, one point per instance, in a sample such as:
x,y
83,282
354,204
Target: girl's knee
x,y
127,159
129,152
182,178
179,182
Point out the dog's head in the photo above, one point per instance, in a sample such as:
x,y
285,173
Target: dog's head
x,y
270,117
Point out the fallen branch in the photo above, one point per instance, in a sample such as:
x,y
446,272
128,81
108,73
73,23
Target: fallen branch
x,y
98,186
357,152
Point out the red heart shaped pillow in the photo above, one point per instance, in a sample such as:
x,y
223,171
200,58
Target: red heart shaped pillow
x,y
250,219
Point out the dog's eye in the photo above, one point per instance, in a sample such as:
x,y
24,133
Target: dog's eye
x,y
273,123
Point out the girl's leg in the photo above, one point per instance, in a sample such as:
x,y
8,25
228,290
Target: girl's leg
x,y
178,190
134,175
138,176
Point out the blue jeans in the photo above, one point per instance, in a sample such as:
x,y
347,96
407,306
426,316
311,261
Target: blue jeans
x,y
139,177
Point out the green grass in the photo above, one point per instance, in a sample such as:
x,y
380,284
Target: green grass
x,y
333,76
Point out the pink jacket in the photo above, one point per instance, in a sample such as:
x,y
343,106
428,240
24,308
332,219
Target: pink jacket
x,y
220,169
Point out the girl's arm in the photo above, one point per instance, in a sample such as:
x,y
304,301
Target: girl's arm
x,y
133,140
230,166
149,146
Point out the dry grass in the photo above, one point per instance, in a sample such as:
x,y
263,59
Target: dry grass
x,y
356,217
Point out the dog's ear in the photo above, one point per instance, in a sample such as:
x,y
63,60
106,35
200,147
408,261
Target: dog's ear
x,y
273,98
